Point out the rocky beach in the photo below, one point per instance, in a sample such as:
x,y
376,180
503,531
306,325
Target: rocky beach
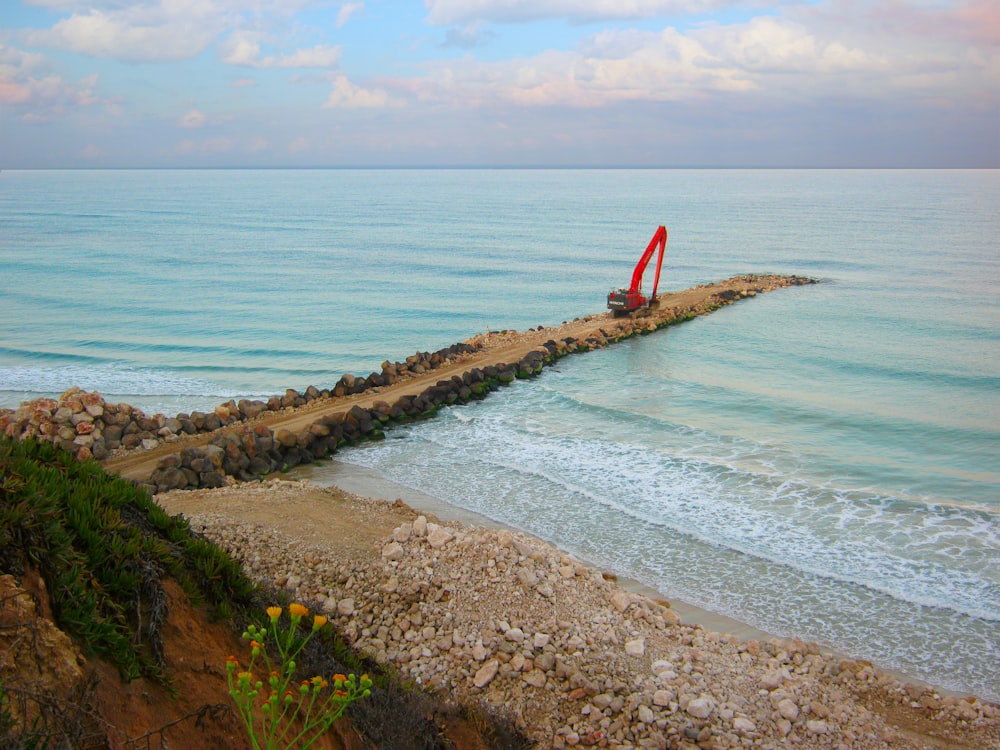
x,y
492,616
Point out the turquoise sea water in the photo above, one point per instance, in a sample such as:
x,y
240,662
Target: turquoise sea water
x,y
822,461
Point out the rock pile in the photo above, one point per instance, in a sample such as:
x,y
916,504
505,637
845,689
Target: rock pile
x,y
85,424
498,617
89,427
250,451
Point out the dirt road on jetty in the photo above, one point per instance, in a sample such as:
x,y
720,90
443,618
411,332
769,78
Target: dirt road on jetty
x,y
490,349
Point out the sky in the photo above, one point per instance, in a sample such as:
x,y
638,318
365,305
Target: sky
x,y
499,83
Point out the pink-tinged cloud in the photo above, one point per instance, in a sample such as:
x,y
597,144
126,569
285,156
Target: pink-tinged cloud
x,y
14,92
44,98
447,12
981,18
971,22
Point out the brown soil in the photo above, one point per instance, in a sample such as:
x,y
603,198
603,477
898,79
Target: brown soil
x,y
41,670
197,711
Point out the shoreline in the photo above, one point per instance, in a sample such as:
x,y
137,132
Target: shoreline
x,y
509,622
368,484
361,481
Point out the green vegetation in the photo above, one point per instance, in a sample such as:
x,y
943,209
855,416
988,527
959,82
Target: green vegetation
x,y
102,547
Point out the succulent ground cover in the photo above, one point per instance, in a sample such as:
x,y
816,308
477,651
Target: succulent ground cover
x,y
116,620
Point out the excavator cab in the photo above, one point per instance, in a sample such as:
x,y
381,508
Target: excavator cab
x,y
622,301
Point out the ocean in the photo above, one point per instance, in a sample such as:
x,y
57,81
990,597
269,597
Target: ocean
x,y
820,462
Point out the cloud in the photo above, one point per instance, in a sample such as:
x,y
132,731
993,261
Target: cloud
x,y
193,119
28,85
258,144
810,59
771,45
346,95
90,151
967,22
346,11
245,50
469,36
206,146
137,33
14,92
172,30
298,145
611,67
447,12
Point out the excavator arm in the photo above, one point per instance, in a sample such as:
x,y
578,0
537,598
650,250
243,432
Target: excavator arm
x,y
627,300
659,240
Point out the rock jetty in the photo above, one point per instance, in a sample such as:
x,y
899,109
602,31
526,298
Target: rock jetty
x,y
88,426
237,442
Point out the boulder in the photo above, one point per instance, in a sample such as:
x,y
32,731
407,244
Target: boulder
x,y
700,708
486,673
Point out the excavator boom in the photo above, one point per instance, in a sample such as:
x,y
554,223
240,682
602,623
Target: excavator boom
x,y
627,300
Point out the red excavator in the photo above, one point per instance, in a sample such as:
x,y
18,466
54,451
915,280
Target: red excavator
x,y
623,301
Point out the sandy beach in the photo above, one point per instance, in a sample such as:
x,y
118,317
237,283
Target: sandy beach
x,y
572,655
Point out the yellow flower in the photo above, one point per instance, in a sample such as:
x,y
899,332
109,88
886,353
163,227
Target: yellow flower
x,y
318,621
297,610
274,613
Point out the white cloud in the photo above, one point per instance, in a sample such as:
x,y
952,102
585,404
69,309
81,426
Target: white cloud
x,y
666,66
245,50
771,45
346,95
168,31
346,11
90,151
805,60
298,145
193,119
